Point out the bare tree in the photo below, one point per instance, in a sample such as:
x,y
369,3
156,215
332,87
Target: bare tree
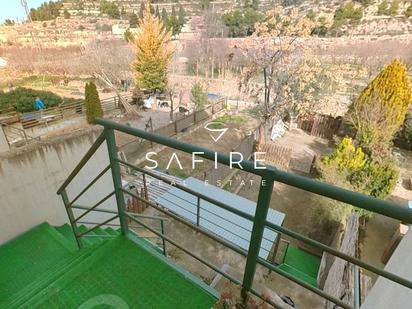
x,y
109,62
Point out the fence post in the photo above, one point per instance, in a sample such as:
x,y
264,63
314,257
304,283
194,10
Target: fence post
x,y
262,207
162,226
117,180
198,211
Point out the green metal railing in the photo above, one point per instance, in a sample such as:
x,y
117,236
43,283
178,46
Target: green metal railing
x,y
269,176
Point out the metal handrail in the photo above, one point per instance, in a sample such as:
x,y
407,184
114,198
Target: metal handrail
x,y
360,200
19,133
268,174
100,139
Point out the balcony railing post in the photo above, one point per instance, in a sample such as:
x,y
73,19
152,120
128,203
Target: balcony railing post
x,y
356,287
162,226
117,180
262,207
71,218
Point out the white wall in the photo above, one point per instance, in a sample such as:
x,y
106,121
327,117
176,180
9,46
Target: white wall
x,y
29,180
387,294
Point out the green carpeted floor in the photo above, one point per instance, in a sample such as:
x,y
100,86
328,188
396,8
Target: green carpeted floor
x,y
43,269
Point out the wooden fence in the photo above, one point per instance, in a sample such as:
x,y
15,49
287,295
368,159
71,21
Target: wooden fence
x,y
320,125
217,176
137,147
52,114
276,155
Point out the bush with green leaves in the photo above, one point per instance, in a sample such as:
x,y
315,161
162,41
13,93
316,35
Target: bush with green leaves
x,y
110,9
389,9
22,99
350,168
199,96
408,11
347,14
241,23
46,11
380,110
92,102
377,179
346,157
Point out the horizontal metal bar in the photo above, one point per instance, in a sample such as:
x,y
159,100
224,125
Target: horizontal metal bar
x,y
215,268
188,190
205,210
146,217
100,139
96,210
100,236
95,205
359,200
187,223
90,184
108,224
174,243
337,253
179,145
203,218
304,284
93,223
276,306
274,227
97,226
353,198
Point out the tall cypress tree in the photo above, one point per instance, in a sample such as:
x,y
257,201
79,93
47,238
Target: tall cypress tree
x,y
164,15
181,15
141,10
173,12
92,101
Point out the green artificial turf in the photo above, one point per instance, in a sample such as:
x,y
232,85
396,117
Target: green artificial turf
x,y
40,269
301,264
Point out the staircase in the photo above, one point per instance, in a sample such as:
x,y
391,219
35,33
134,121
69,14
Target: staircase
x,y
96,236
44,269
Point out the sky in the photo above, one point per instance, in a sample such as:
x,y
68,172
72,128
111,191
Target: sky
x,y
14,10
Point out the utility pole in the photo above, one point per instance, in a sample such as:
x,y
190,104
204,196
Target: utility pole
x,y
33,37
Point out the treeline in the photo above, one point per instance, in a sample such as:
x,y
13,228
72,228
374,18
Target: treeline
x,y
241,22
46,11
173,21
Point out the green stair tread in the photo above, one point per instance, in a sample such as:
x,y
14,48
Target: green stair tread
x,y
26,257
67,232
101,232
128,271
298,274
48,278
303,261
87,241
111,231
